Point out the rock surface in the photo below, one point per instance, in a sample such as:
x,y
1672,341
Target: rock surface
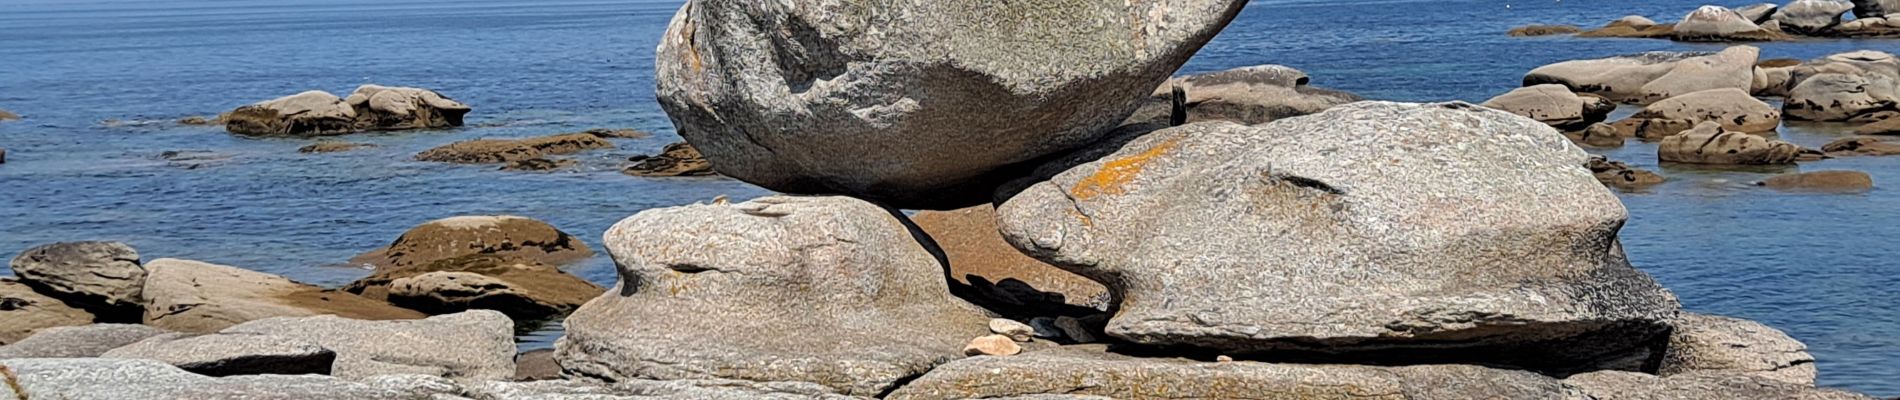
x,y
1722,344
1262,239
1621,385
524,291
1620,175
1543,30
26,311
1554,105
8,116
328,146
916,104
312,113
1821,181
830,290
1734,108
77,341
980,259
1708,143
992,345
1862,146
1875,8
1842,97
1719,24
232,354
1247,95
480,151
96,275
1653,76
131,379
677,159
192,296
474,345
1632,26
1811,16
383,108
1598,135
508,237
1758,13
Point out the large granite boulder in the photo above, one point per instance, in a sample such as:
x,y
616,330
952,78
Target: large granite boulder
x,y
26,311
475,345
1554,105
1087,370
829,290
1653,76
980,259
312,113
1247,95
508,237
135,379
1733,108
1842,97
383,108
916,104
1708,143
1719,24
524,291
1715,343
222,354
78,341
192,296
1875,8
97,275
1622,385
1811,17
1371,231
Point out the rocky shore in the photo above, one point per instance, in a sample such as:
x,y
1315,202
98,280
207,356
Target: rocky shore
x,y
1796,20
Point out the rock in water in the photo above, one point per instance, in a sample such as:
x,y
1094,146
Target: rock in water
x,y
509,237
1709,144
26,311
830,290
1875,8
8,116
329,146
98,275
1543,30
917,104
1554,105
232,354
1733,108
1842,97
524,291
1811,17
1821,181
78,341
1620,175
475,345
1719,24
384,108
1247,95
1371,231
1716,343
677,159
1648,77
1758,13
312,113
192,296
1862,146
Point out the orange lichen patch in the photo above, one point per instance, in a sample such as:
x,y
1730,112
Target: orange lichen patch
x,y
1115,173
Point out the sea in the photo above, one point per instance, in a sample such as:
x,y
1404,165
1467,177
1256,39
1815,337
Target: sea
x,y
101,82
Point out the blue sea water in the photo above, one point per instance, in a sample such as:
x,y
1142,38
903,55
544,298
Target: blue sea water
x,y
100,80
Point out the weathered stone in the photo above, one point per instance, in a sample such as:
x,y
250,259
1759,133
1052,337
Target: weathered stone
x,y
77,341
1649,77
914,104
224,354
1862,146
830,290
538,164
1308,236
1811,17
677,159
101,276
1543,30
1840,97
200,120
1637,21
1599,135
980,259
1734,108
386,108
605,133
1087,370
1651,128
1708,143
474,345
1247,95
8,116
1821,181
480,151
133,379
1017,331
1758,13
697,389
1875,8
1620,175
1621,385
1722,344
1773,81
312,113
536,365
26,311
329,146
1632,26
524,291
1719,24
567,143
509,237
1554,105
992,345
192,296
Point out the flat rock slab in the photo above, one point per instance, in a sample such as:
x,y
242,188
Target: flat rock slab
x,y
78,341
130,379
230,354
1373,231
1620,385
474,345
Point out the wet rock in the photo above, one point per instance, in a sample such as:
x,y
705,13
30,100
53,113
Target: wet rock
x,y
312,113
201,121
524,291
1731,345
480,151
133,379
1841,97
1017,331
1620,175
1734,108
1599,135
1087,370
785,280
1821,181
1862,146
1016,284
232,354
1198,230
104,277
1554,105
192,296
1720,24
474,345
77,341
332,147
1543,30
992,345
1653,76
1758,13
677,159
1247,95
1811,17
536,365
383,108
569,143
1620,385
1709,144
1633,26
508,237
605,133
26,311
3,155
538,164
920,105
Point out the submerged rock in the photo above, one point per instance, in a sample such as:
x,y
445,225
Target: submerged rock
x,y
101,276
1720,24
538,164
829,290
1653,76
26,311
1543,30
1317,237
383,108
77,341
480,151
8,116
1708,143
232,354
914,104
1020,285
1722,344
1554,105
192,296
1821,181
523,290
677,159
328,146
475,345
1247,95
312,113
507,237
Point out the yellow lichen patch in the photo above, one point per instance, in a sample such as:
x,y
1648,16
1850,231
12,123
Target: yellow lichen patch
x,y
1115,173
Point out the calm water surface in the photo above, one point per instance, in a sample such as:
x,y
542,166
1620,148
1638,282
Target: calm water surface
x,y
1818,266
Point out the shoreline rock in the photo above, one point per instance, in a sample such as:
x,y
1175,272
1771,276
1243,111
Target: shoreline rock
x,y
509,237
677,159
470,346
103,277
981,261
525,291
1543,30
1821,181
193,296
27,311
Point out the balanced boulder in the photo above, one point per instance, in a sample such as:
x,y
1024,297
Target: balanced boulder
x,y
474,345
1653,76
192,296
26,311
1554,105
523,290
312,113
829,290
98,275
227,354
508,237
980,259
917,104
1247,95
78,341
1370,231
1719,24
1708,143
1842,97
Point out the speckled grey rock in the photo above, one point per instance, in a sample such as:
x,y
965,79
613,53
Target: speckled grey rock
x,y
1715,343
473,345
1811,16
26,311
1621,385
1709,144
830,290
106,275
1842,97
131,379
227,354
1247,95
914,103
1718,24
1554,105
1649,77
1086,370
1371,231
78,341
1734,108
